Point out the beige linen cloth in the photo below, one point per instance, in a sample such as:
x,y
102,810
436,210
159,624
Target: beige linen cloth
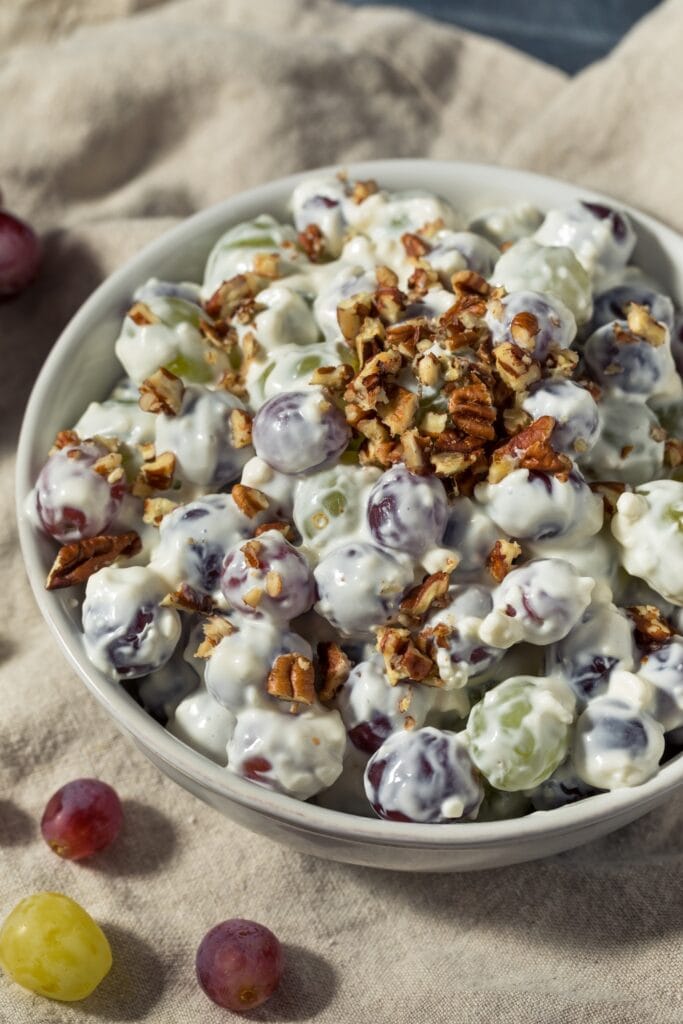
x,y
117,117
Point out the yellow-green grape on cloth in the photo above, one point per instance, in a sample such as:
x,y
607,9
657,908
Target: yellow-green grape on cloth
x,y
519,733
51,945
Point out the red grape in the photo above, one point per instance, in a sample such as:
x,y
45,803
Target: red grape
x,y
82,817
239,964
19,254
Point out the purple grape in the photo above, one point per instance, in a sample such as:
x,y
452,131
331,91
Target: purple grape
x,y
454,638
632,365
663,667
73,500
406,511
555,324
299,430
20,254
360,586
426,775
371,708
81,818
613,304
239,964
572,407
563,787
620,229
268,575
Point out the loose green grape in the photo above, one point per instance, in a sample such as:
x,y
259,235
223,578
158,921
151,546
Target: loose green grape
x,y
50,945
519,733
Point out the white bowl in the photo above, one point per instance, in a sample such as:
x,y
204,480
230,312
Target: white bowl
x,y
82,367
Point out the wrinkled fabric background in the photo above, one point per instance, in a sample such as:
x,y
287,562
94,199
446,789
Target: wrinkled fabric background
x,y
119,116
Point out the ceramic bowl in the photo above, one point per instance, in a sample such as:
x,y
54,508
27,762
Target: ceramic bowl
x,y
82,367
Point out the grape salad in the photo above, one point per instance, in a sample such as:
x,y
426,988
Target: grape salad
x,y
386,512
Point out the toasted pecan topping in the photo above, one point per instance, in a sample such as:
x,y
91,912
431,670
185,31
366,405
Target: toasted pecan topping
x,y
524,328
333,670
402,659
644,326
649,624
141,314
398,413
235,297
386,278
285,529
155,475
64,439
187,599
516,367
334,378
162,393
468,282
249,500
76,562
420,599
273,583
253,597
673,452
240,428
267,264
415,247
352,312
501,558
214,629
292,678
610,491
155,509
389,304
361,190
530,449
252,553
312,241
110,467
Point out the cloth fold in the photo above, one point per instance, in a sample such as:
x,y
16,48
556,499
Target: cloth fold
x,y
120,116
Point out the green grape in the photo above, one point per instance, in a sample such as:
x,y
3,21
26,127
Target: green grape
x,y
253,242
190,369
519,732
50,945
178,311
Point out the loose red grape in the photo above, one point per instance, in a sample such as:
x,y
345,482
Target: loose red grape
x,y
239,964
82,817
19,254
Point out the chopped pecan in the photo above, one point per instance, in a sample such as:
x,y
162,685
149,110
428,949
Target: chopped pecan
x,y
413,451
516,367
253,597
501,558
386,278
252,553
273,583
524,328
610,491
530,449
233,382
419,600
428,369
561,362
156,475
473,411
249,500
333,670
649,624
398,414
361,190
433,423
312,241
155,509
110,466
148,451
162,393
642,324
334,378
452,463
251,348
369,387
76,562
369,340
389,304
292,678
415,247
423,277
402,659
214,629
285,529
468,282
64,439
351,313
187,599
267,264
220,334
673,452
236,296
142,315
240,428
515,419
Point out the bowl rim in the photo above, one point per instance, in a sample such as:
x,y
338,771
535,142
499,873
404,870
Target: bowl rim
x,y
159,744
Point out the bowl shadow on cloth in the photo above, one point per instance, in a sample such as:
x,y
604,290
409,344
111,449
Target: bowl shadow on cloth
x,y
135,982
67,275
600,896
146,843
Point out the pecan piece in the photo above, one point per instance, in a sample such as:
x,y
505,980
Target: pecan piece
x,y
419,600
610,491
402,659
415,247
292,678
285,529
214,630
673,452
187,599
334,378
162,393
155,475
644,326
64,439
76,562
361,190
267,264
398,414
333,670
524,328
389,304
530,449
141,314
240,428
154,510
501,558
386,278
516,367
351,313
649,624
249,500
312,241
